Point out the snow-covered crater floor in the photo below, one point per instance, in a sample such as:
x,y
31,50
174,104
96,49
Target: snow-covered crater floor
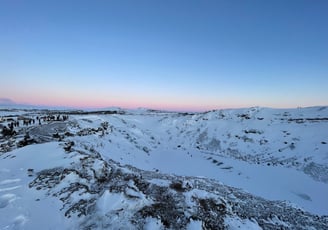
x,y
250,168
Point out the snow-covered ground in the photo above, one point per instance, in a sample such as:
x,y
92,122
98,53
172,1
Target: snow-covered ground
x,y
277,157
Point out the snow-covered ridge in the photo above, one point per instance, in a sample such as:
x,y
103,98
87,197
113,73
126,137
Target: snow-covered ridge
x,y
128,168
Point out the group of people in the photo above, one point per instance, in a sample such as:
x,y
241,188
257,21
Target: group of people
x,y
10,131
53,118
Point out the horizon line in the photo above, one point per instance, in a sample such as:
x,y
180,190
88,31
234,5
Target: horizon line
x,y
15,105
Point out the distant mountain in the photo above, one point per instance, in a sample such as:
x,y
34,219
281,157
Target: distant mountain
x,y
6,101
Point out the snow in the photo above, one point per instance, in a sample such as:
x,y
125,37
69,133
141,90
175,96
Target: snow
x,y
6,199
160,182
112,201
237,223
136,133
5,182
275,220
153,224
277,154
23,208
194,225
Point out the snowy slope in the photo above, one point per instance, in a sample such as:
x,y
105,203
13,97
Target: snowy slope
x,y
119,166
290,155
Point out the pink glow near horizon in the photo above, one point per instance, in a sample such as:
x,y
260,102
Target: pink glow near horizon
x,y
126,105
92,99
88,103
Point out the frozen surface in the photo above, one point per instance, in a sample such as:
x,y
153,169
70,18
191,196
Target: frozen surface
x,y
62,168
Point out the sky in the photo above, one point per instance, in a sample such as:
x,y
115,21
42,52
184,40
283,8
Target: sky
x,y
174,55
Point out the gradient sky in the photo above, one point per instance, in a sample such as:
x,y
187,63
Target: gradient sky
x,y
180,55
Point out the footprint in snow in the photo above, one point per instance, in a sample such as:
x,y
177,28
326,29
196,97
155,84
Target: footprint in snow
x,y
7,199
18,222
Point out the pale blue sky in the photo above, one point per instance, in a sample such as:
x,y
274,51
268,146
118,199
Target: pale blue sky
x,y
192,55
